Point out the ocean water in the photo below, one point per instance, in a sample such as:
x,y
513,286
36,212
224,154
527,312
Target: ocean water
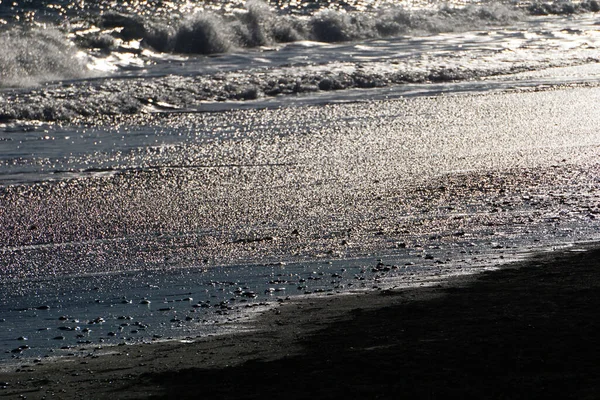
x,y
169,168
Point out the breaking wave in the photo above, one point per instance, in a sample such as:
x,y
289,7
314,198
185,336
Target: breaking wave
x,y
208,32
381,54
29,57
34,53
563,7
259,25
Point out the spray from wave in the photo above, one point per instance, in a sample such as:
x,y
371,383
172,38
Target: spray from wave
x,y
209,32
206,32
29,57
259,25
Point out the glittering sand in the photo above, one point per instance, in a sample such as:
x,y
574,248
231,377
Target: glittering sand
x,y
529,330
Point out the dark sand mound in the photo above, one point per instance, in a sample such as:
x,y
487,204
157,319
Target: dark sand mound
x,y
531,332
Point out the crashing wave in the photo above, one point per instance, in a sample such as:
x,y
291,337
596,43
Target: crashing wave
x,y
32,56
259,25
209,32
29,57
563,7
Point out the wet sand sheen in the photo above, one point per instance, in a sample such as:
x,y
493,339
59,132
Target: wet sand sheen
x,y
443,180
339,180
523,331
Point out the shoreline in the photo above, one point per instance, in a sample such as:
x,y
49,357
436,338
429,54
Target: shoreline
x,y
524,330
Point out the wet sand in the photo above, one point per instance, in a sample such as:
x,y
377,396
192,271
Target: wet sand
x,y
529,330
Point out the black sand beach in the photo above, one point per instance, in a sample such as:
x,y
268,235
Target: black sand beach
x,y
529,330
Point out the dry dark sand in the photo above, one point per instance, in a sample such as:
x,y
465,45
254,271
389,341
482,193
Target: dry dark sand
x,y
530,330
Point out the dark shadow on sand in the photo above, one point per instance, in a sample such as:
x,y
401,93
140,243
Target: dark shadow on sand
x,y
517,333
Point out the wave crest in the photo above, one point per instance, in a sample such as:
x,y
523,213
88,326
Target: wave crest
x,y
201,34
259,25
563,7
210,32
